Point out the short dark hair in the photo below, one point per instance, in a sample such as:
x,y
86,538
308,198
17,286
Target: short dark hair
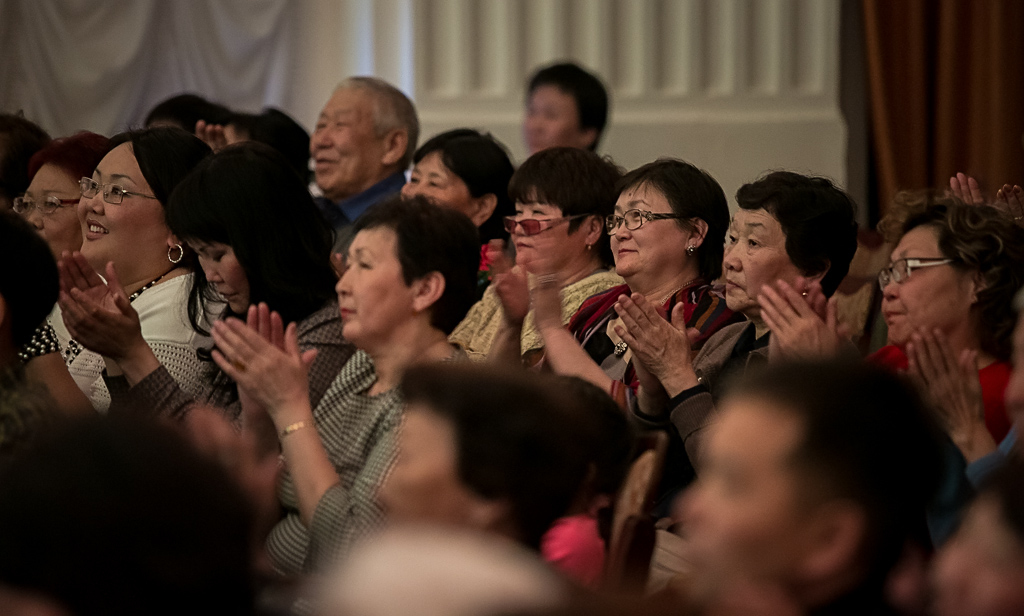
x,y
29,285
184,110
77,155
512,434
980,239
818,218
865,436
576,181
585,88
246,196
157,528
19,140
482,162
165,155
430,238
281,132
692,193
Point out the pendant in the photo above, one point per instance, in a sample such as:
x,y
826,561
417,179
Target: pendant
x,y
620,349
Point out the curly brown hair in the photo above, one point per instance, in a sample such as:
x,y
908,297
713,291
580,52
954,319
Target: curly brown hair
x,y
980,239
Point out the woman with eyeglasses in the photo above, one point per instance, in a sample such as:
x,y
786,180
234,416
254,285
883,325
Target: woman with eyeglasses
x,y
49,204
50,200
791,228
664,234
947,300
125,236
562,196
251,250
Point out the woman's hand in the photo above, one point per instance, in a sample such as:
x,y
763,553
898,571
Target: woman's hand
x,y
804,323
510,284
275,378
1009,199
664,348
546,302
212,135
98,314
952,386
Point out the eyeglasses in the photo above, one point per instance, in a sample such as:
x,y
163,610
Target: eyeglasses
x,y
112,193
49,205
899,271
532,226
634,219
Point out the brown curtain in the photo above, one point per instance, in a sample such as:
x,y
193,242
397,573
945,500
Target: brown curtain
x,y
946,81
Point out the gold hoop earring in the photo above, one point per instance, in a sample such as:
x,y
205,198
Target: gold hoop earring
x,y
181,254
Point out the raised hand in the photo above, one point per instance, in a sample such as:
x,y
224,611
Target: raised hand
x,y
212,135
966,189
663,349
275,378
803,324
510,283
952,386
98,314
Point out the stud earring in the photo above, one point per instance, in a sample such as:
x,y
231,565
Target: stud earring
x,y
691,250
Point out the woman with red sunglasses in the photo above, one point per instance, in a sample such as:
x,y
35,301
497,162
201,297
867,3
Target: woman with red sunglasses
x,y
562,197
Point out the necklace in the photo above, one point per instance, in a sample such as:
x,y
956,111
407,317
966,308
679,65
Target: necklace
x,y
134,296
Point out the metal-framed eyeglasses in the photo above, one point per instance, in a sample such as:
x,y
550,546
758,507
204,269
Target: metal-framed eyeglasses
x,y
634,219
533,226
46,206
112,193
899,270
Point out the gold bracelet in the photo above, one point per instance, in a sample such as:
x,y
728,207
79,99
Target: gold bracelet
x,y
298,425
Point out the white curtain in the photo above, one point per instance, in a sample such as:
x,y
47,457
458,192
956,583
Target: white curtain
x,y
100,65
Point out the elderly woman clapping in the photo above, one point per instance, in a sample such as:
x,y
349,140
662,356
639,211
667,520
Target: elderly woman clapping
x,y
410,277
947,299
665,236
791,228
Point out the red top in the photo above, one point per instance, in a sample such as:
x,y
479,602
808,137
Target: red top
x,y
993,377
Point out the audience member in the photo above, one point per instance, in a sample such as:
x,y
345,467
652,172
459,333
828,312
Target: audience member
x,y
362,144
576,543
979,571
228,210
423,571
27,294
467,171
668,268
816,476
566,106
483,448
55,174
948,304
411,275
272,127
791,228
105,516
19,140
126,237
185,111
562,197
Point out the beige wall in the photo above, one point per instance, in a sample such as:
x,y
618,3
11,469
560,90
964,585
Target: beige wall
x,y
734,86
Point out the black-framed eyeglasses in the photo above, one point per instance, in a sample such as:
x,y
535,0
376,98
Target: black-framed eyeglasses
x,y
112,193
533,226
899,270
634,219
46,206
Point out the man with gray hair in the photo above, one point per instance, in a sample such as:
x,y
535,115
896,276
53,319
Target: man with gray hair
x,y
362,144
